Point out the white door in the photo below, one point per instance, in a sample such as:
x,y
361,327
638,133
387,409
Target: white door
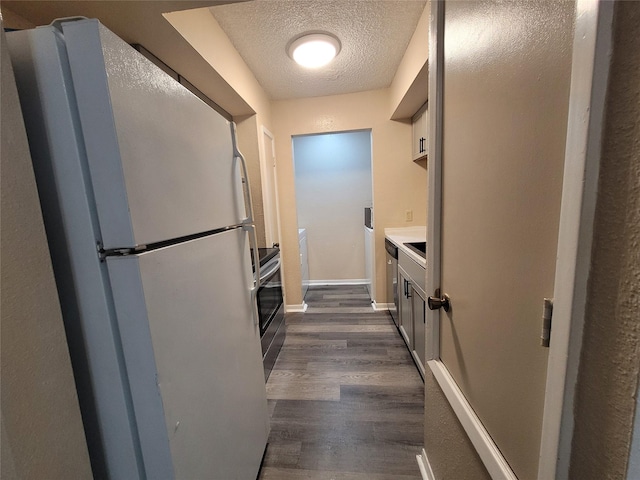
x,y
193,357
269,188
507,73
160,160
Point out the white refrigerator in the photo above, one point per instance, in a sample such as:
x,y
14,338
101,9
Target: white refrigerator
x,y
149,227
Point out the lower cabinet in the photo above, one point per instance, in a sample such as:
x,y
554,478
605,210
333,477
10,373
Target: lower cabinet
x,y
405,314
419,322
411,308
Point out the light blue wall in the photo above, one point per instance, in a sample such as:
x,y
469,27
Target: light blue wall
x,y
333,185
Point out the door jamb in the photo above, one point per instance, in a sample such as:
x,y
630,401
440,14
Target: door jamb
x,y
266,158
587,99
434,173
590,70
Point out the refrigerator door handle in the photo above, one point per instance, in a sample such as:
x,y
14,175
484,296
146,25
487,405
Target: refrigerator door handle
x,y
253,240
248,224
248,205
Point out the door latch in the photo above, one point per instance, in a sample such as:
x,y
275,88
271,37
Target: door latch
x,y
436,302
547,312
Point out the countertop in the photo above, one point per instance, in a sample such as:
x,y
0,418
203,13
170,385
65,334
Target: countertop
x,y
399,236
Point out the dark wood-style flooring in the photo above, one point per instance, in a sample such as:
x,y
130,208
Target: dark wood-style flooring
x,y
345,398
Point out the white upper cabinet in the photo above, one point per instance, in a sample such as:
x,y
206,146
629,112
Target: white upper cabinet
x,y
420,133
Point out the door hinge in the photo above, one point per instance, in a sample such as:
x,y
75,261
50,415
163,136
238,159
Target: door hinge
x,y
547,313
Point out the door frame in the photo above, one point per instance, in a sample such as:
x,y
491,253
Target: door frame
x,y
592,42
269,190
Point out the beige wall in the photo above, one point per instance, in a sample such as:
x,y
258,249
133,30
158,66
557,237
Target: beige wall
x,y
449,450
204,33
408,90
610,362
42,433
13,20
398,183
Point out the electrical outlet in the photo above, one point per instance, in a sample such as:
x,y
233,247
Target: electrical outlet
x,y
408,216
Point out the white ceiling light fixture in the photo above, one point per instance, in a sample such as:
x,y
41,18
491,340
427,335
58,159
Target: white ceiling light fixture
x,y
314,50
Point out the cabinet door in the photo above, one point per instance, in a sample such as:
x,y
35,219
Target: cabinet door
x,y
404,304
419,343
419,133
424,131
415,137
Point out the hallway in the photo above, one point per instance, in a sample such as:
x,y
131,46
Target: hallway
x,y
345,398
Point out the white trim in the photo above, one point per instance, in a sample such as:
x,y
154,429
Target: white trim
x,y
381,306
425,466
300,308
587,99
348,281
266,187
434,171
487,450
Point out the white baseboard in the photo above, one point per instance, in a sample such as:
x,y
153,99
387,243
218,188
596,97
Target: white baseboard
x,y
381,306
488,451
301,308
347,281
425,466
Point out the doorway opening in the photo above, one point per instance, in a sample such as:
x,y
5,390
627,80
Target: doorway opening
x,y
333,181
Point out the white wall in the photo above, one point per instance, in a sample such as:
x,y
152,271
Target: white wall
x,y
333,185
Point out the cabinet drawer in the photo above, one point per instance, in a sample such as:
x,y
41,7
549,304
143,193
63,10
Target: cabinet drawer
x,y
415,271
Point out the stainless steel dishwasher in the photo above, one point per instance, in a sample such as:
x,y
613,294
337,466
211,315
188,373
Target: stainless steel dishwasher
x,y
392,279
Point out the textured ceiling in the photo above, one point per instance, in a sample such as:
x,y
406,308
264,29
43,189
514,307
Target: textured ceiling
x,y
374,36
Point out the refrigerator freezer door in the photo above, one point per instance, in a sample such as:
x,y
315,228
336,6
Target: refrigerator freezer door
x,y
192,350
160,160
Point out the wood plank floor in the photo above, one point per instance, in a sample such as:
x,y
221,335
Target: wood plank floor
x,y
345,398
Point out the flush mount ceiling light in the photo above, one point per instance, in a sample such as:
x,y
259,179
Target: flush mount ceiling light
x,y
314,50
